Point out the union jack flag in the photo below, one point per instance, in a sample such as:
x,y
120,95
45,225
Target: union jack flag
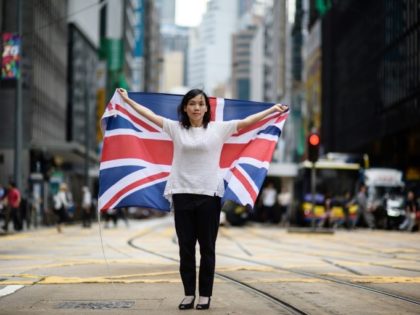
x,y
137,155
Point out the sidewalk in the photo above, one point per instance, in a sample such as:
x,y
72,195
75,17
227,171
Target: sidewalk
x,y
145,298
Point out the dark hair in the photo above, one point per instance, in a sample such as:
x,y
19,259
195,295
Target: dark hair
x,y
183,117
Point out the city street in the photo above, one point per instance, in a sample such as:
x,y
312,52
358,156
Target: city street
x,y
261,269
301,118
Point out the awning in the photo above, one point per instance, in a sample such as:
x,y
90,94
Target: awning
x,y
283,169
70,152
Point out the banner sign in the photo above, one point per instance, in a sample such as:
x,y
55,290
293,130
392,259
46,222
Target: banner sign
x,y
139,29
10,56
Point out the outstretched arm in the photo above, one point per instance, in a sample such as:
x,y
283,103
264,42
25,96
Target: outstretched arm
x,y
261,115
145,112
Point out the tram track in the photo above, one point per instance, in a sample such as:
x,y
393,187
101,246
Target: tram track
x,y
328,258
325,278
266,295
322,277
263,294
238,244
379,252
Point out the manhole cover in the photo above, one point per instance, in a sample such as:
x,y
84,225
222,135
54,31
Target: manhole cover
x,y
95,305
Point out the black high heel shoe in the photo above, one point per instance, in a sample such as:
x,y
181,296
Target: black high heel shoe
x,y
187,306
203,306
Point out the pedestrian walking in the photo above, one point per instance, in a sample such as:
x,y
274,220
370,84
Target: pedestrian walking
x,y
194,184
411,209
13,208
284,200
362,208
86,207
61,203
110,215
123,214
269,204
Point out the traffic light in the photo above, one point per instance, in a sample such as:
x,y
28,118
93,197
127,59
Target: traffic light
x,y
313,146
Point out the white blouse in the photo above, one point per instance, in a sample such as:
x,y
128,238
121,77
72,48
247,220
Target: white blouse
x,y
195,164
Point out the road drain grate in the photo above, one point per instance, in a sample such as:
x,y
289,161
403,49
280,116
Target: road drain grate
x,y
95,305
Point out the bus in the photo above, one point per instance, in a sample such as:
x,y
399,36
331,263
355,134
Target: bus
x,y
336,179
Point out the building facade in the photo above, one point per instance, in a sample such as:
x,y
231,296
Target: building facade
x,y
241,62
152,49
44,94
210,47
175,51
371,81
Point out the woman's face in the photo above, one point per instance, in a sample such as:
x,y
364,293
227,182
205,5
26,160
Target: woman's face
x,y
195,109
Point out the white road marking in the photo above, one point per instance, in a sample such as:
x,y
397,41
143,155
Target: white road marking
x,y
10,289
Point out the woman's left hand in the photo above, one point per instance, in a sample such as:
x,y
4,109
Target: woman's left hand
x,y
281,108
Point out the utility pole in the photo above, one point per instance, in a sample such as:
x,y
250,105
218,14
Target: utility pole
x,y
313,143
87,123
313,191
18,108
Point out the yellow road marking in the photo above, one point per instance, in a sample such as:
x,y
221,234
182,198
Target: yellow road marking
x,y
376,279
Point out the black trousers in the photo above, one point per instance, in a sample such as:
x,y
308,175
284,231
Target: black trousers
x,y
197,218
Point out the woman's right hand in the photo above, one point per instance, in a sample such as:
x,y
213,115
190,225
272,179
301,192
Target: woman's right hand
x,y
123,93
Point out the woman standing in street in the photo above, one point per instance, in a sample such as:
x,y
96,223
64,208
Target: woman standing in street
x,y
194,184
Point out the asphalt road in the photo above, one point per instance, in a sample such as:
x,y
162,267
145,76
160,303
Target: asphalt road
x,y
261,269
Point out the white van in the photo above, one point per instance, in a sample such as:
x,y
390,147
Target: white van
x,y
385,189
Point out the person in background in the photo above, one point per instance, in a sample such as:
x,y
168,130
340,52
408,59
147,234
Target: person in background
x,y
13,211
284,200
3,208
123,214
195,186
346,210
362,208
269,203
71,207
61,203
86,207
411,209
110,215
326,220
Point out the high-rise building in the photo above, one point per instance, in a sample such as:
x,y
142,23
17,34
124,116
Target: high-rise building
x,y
175,52
275,52
298,130
44,94
152,48
241,62
130,44
83,39
245,6
257,64
166,9
173,71
210,46
371,82
58,97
